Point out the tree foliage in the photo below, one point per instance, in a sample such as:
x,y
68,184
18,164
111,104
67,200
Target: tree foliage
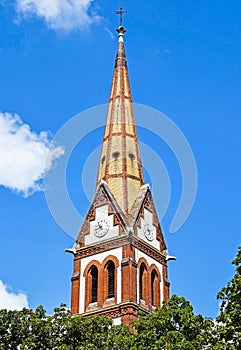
x,y
230,310
33,329
174,326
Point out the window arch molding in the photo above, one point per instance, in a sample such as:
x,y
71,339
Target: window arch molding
x,y
110,287
143,276
88,282
143,260
102,293
155,280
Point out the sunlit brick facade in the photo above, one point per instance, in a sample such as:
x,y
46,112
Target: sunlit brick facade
x,y
120,255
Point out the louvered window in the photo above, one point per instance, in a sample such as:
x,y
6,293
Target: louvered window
x,y
153,284
94,284
141,281
111,279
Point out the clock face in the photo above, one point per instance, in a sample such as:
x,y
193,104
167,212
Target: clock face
x,y
101,228
148,232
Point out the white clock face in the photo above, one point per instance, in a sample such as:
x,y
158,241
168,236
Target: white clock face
x,y
148,232
101,228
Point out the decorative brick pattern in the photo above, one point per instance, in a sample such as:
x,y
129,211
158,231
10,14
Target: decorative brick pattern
x,y
128,311
128,208
120,161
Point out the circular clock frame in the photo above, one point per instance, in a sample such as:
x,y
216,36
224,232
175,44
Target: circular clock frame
x,y
101,228
148,232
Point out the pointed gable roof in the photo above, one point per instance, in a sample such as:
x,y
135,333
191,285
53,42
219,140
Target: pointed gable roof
x,y
102,196
143,200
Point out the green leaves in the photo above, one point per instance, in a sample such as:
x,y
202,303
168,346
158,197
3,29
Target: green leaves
x,y
174,326
230,311
33,329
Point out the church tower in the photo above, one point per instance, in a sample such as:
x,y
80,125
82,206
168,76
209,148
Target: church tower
x,y
120,255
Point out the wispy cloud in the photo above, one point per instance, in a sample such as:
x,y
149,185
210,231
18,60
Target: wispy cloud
x,y
10,300
110,33
23,155
60,14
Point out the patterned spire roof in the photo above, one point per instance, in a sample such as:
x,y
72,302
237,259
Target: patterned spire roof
x,y
120,162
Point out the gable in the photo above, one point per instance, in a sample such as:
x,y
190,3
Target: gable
x,y
104,220
145,220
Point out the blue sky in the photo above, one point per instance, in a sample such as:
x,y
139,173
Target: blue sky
x,y
56,61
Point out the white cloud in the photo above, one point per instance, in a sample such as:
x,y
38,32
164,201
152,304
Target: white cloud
x,y
60,14
110,33
23,155
10,300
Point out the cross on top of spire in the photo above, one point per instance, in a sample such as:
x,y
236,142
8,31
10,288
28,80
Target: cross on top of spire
x,y
120,12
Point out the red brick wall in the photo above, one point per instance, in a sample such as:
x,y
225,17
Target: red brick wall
x,y
75,290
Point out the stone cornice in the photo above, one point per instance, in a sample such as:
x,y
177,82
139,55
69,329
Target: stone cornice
x,y
102,246
148,249
119,310
121,241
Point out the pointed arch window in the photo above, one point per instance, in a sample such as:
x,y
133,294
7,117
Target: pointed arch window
x,y
111,279
94,284
142,281
154,288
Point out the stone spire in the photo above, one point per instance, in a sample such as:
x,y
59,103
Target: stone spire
x,y
120,162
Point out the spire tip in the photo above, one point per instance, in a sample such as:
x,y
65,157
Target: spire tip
x,y
120,12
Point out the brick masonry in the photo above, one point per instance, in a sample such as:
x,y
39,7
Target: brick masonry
x,y
140,266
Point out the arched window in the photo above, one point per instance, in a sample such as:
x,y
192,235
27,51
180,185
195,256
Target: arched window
x,y
142,282
111,279
154,288
94,284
